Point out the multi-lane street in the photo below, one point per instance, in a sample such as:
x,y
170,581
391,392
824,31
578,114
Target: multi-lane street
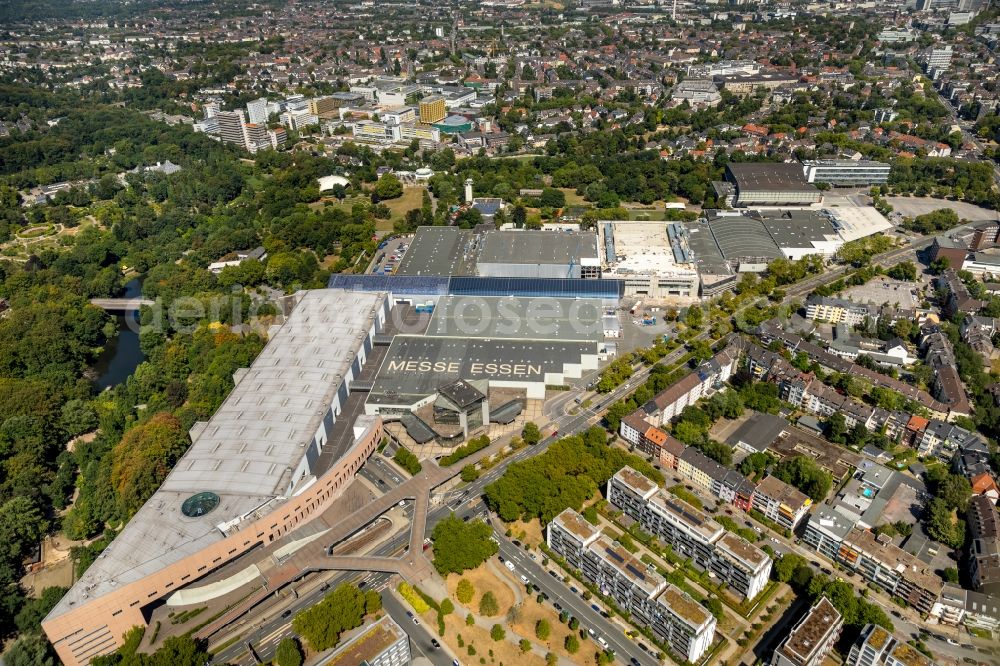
x,y
558,593
421,636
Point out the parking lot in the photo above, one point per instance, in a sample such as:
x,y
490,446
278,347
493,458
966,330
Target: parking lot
x,y
388,254
886,292
913,206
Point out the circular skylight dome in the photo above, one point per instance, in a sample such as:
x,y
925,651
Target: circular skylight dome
x,y
200,504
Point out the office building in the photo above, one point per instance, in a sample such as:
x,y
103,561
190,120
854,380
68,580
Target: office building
x,y
369,130
419,131
636,587
877,647
231,127
847,173
691,533
257,111
939,58
322,105
811,639
433,109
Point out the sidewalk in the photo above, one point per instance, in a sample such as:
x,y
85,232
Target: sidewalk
x,y
436,588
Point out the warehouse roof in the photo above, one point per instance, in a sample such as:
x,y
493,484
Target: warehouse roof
x,y
797,228
537,247
244,456
758,176
758,431
705,251
739,236
518,318
417,366
437,251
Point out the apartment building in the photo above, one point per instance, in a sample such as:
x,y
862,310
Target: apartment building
x,y
709,376
942,439
877,647
877,559
257,111
673,616
569,534
231,127
786,505
383,643
810,640
825,531
975,610
690,532
804,390
957,296
837,310
256,137
984,550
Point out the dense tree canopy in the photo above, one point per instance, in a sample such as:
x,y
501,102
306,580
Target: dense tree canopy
x,y
140,462
806,475
567,474
341,610
459,546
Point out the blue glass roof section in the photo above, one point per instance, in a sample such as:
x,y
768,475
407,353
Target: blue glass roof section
x,y
411,285
403,285
536,287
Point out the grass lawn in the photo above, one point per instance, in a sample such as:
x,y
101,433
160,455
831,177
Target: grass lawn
x,y
413,197
572,198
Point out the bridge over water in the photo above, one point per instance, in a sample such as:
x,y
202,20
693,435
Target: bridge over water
x,y
120,304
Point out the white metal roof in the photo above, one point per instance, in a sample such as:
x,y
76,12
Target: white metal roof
x,y
247,451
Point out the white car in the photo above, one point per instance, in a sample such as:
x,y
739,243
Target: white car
x,y
524,579
509,565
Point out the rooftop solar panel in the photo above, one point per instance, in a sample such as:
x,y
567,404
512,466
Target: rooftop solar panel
x,y
481,286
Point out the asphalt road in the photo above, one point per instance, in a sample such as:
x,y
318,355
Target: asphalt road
x,y
558,592
420,634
